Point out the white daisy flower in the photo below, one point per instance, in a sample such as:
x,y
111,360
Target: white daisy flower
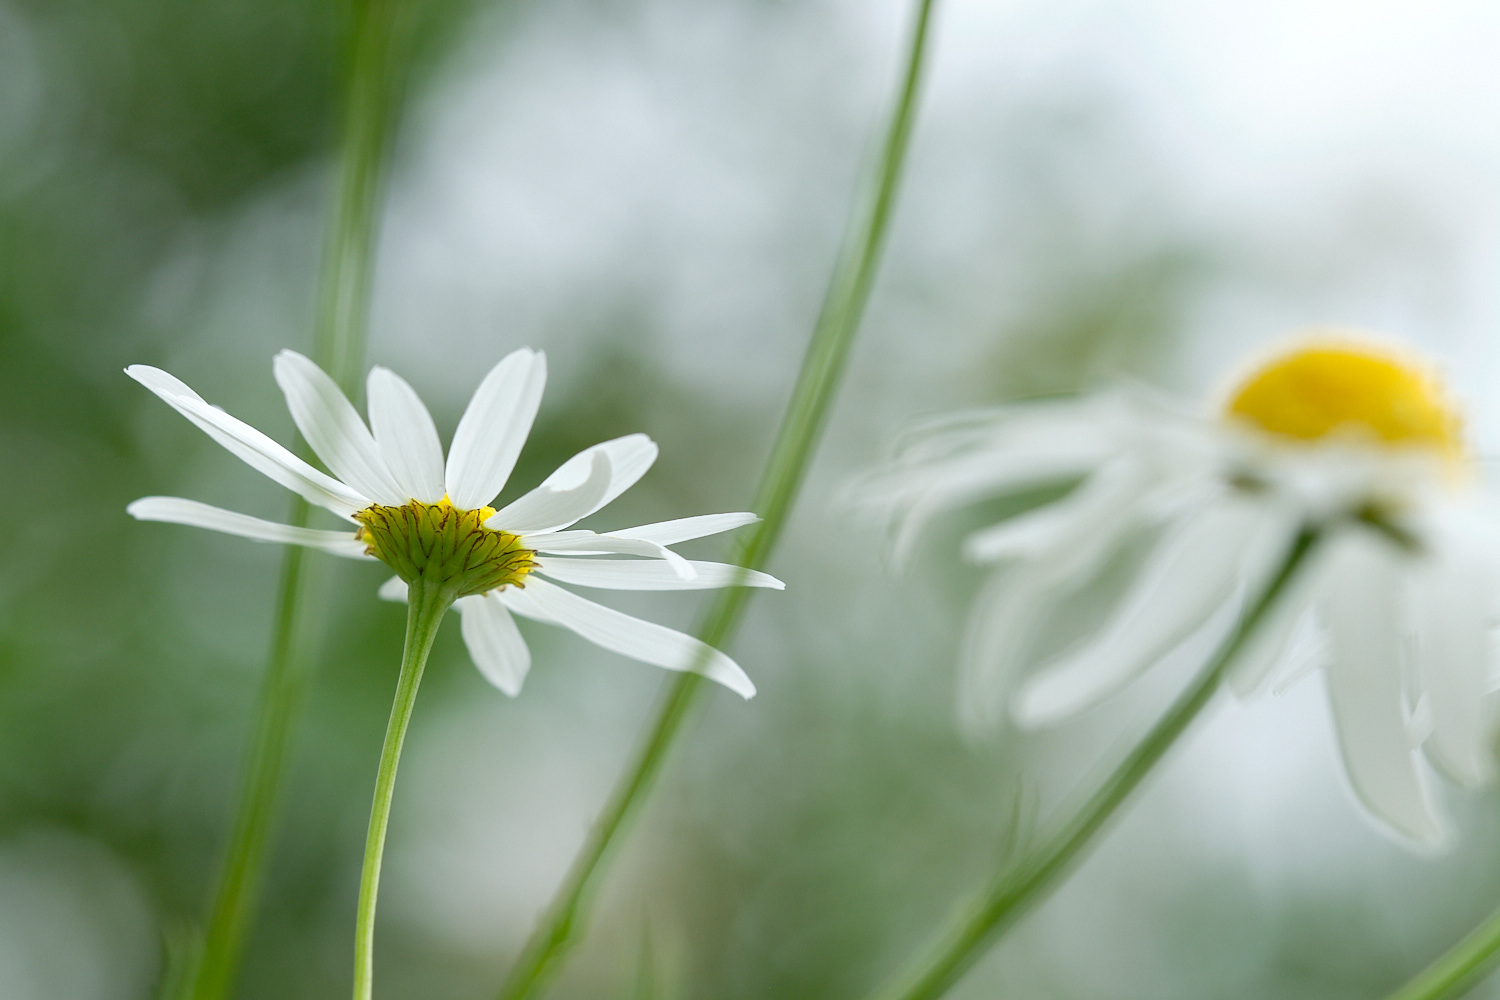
x,y
428,518
1335,434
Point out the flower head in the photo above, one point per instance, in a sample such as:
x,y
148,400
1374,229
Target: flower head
x,y
429,518
1336,434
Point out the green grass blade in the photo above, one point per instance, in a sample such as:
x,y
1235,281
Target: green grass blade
x,y
822,367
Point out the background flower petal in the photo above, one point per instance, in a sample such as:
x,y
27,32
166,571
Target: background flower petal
x,y
1365,686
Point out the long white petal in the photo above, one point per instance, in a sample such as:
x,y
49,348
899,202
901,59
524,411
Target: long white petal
x,y
998,635
406,436
493,429
686,528
176,510
549,507
982,476
393,589
629,459
1452,598
650,574
249,445
333,428
1365,685
580,541
1076,534
1189,574
1308,651
620,633
1283,629
494,641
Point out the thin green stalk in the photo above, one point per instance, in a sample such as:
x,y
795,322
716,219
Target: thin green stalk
x,y
374,59
1458,970
843,307
1016,890
377,56
426,605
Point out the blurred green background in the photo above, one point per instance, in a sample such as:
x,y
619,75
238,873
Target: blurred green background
x,y
652,191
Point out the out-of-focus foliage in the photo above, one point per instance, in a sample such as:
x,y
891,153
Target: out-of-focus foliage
x,y
652,192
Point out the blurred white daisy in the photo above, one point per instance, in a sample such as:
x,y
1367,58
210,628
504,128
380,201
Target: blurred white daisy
x,y
429,518
1337,434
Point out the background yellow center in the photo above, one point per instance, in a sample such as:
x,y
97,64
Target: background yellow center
x,y
1317,390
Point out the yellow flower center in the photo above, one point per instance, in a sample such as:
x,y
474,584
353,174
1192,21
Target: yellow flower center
x,y
445,546
1339,387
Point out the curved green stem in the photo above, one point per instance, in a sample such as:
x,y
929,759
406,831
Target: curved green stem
x,y
375,55
1017,889
426,604
849,291
1460,968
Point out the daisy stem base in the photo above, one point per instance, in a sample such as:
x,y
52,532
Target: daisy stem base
x,y
426,606
1024,884
1460,968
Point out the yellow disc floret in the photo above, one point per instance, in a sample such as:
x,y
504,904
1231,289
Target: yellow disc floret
x,y
1343,387
445,546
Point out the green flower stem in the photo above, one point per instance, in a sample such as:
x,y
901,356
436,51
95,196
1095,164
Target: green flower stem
x,y
1457,971
377,55
373,73
281,696
843,307
1016,889
426,605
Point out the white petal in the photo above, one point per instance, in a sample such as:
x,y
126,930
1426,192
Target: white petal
x,y
1365,685
1308,651
249,445
685,528
333,428
1287,637
406,436
1075,536
393,589
494,641
995,453
997,636
620,633
629,459
1453,597
176,510
1190,573
583,542
652,574
1285,634
984,476
549,507
493,429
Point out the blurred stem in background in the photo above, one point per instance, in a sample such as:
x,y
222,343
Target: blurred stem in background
x,y
1020,886
376,56
1459,969
843,308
